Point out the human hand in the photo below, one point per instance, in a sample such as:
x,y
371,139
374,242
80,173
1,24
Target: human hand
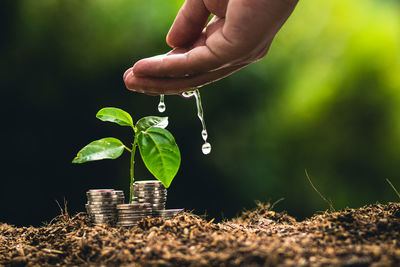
x,y
240,33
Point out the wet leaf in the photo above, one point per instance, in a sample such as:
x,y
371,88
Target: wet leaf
x,y
160,153
115,115
151,121
106,148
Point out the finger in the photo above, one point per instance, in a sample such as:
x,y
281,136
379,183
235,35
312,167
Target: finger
x,y
269,14
197,60
188,24
156,86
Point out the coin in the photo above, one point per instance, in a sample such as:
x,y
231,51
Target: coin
x,y
148,182
149,193
106,199
101,205
133,206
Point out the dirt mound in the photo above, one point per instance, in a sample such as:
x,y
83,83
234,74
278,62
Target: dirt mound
x,y
369,236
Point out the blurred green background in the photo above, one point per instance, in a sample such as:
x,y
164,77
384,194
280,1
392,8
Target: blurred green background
x,y
325,99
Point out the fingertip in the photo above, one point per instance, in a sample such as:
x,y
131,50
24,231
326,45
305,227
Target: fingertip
x,y
169,41
127,72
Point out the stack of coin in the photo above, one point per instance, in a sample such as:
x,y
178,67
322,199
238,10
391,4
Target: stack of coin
x,y
167,214
130,214
152,191
101,206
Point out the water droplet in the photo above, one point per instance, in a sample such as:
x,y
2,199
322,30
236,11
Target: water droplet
x,y
204,134
161,105
206,148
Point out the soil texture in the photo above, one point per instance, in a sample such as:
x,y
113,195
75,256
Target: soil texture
x,y
368,236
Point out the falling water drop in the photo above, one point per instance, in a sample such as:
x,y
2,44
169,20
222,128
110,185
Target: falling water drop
x,y
161,105
204,134
206,148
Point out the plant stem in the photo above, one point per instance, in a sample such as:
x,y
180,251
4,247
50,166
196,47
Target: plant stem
x,y
132,169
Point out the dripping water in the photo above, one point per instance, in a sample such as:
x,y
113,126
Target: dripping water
x,y
206,148
161,105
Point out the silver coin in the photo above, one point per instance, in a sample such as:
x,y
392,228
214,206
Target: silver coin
x,y
105,198
133,206
121,212
112,196
158,207
122,215
153,202
90,206
98,194
127,213
150,193
148,188
130,219
147,182
148,197
144,210
104,191
135,211
127,216
100,191
133,217
102,203
106,203
148,200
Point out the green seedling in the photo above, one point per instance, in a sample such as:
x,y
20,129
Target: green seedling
x,y
157,146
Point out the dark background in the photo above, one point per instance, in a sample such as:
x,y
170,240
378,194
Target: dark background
x,y
326,99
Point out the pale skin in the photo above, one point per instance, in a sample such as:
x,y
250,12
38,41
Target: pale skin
x,y
239,34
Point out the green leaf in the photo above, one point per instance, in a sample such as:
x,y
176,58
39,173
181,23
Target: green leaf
x,y
106,148
152,121
116,115
160,154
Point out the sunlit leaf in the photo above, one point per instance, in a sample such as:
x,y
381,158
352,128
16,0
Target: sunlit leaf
x,y
160,153
152,121
115,115
106,148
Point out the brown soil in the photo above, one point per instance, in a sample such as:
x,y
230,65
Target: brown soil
x,y
369,236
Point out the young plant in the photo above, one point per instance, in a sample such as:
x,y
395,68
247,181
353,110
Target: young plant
x,y
157,146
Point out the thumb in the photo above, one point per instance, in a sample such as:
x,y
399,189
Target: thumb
x,y
188,24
